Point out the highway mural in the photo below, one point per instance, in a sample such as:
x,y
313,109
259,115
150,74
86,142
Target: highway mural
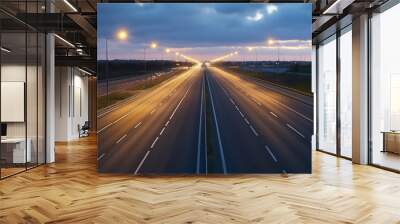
x,y
204,88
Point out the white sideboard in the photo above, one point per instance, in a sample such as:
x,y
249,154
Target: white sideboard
x,y
19,154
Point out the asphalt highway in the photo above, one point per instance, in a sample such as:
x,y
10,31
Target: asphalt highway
x,y
251,128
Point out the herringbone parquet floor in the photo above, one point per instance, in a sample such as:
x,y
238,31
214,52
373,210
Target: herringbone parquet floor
x,y
71,191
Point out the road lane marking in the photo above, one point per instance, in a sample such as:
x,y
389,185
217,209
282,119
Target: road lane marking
x,y
122,138
154,142
293,110
273,114
259,104
241,114
101,156
232,101
221,149
138,124
176,108
120,118
112,123
237,108
162,130
287,107
142,161
294,129
200,124
254,131
247,121
152,112
166,124
104,128
270,153
114,107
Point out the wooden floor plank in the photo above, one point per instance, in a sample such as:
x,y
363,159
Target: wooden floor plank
x,y
71,191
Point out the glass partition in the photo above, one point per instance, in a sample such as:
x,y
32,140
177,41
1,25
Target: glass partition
x,y
14,153
385,89
346,93
327,95
22,88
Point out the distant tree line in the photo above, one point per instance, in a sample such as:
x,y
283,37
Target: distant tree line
x,y
119,68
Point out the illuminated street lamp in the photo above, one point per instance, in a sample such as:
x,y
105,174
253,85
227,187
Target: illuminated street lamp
x,y
167,50
251,49
152,45
271,42
121,35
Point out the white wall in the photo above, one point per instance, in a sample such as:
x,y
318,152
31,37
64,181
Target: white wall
x,y
71,94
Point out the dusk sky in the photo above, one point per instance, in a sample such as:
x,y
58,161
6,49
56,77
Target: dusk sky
x,y
206,31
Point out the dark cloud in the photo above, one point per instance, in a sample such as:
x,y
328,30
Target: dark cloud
x,y
204,24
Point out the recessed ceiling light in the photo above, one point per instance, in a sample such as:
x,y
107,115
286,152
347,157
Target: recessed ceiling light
x,y
64,40
70,5
5,50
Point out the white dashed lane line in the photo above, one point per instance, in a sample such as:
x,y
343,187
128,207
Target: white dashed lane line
x,y
162,130
154,143
270,153
294,129
101,156
273,114
247,121
141,162
138,124
166,124
254,131
122,138
152,112
107,126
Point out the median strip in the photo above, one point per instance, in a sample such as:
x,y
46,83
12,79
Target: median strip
x,y
200,125
221,149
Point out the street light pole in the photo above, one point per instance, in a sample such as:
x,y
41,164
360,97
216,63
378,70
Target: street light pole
x,y
144,59
107,70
